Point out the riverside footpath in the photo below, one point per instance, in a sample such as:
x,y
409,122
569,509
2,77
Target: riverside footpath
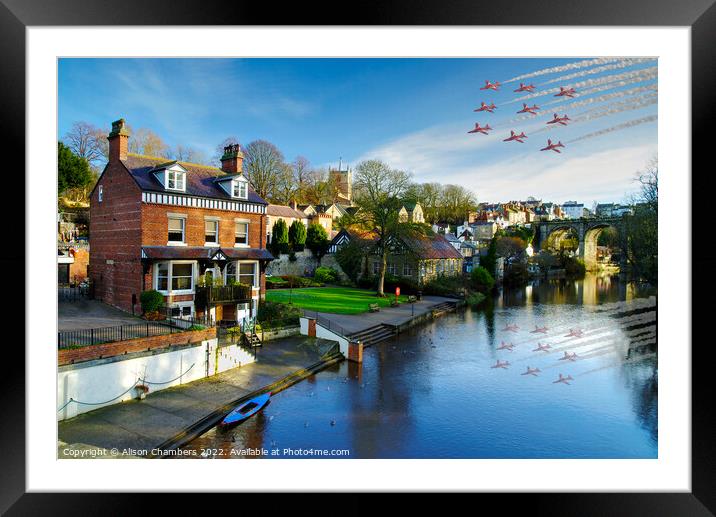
x,y
139,426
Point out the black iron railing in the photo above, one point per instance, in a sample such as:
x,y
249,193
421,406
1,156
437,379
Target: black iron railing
x,y
205,296
97,336
326,323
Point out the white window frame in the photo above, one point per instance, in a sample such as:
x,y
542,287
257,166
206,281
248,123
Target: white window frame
x,y
216,221
239,189
181,217
170,276
176,176
99,193
376,267
237,276
407,269
237,222
255,280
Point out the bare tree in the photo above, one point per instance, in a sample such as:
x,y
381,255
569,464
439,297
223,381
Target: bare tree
x,y
185,153
263,164
86,141
147,142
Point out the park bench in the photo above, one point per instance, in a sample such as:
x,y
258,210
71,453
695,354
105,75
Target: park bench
x,y
412,299
373,307
394,303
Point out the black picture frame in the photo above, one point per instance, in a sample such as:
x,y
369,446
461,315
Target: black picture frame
x,y
700,15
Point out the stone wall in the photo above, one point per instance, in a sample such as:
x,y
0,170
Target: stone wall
x,y
304,265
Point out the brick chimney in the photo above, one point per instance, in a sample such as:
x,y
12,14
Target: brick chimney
x,y
232,159
118,139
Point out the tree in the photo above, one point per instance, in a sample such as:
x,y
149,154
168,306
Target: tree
x,y
350,257
379,192
279,237
482,279
185,153
73,172
642,232
297,235
489,261
285,190
147,142
456,202
87,141
510,247
263,164
317,240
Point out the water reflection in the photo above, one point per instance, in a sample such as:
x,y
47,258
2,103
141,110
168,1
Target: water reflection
x,y
431,393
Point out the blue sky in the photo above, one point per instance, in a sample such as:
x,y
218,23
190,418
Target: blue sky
x,y
412,113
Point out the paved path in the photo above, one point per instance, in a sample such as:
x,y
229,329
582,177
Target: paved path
x,y
88,314
392,315
147,423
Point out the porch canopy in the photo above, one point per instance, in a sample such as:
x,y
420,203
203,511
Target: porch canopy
x,y
204,253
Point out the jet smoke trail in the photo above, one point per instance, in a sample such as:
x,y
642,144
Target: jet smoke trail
x,y
625,125
614,66
611,109
563,68
634,76
586,102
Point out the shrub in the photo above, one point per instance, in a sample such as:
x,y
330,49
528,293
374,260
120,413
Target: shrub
x,y
292,256
273,311
574,266
445,286
350,258
475,299
317,240
197,327
151,301
481,279
367,282
489,261
325,275
516,274
279,237
297,235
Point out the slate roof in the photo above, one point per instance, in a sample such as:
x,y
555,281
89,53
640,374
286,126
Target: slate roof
x,y
284,211
200,179
432,247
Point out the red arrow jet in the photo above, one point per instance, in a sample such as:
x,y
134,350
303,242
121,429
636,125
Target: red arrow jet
x,y
525,88
553,147
559,120
485,107
515,137
484,130
527,109
491,86
569,92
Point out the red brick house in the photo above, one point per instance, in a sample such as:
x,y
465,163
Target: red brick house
x,y
175,226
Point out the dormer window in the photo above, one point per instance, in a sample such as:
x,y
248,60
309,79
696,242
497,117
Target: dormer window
x,y
240,189
176,180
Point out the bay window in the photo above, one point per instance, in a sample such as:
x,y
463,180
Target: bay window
x,y
241,272
174,276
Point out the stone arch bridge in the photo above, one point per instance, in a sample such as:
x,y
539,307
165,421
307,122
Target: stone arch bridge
x,y
587,231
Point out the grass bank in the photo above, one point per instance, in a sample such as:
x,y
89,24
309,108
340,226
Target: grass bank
x,y
337,300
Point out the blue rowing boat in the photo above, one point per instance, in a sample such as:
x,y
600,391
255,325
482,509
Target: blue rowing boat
x,y
246,410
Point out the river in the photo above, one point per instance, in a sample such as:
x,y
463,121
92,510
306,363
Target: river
x,y
432,392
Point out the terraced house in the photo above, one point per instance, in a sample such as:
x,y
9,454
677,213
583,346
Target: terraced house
x,y
194,233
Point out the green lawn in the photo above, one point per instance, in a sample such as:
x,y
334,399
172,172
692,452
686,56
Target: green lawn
x,y
338,300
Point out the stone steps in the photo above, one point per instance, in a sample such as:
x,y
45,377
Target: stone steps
x,y
373,335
